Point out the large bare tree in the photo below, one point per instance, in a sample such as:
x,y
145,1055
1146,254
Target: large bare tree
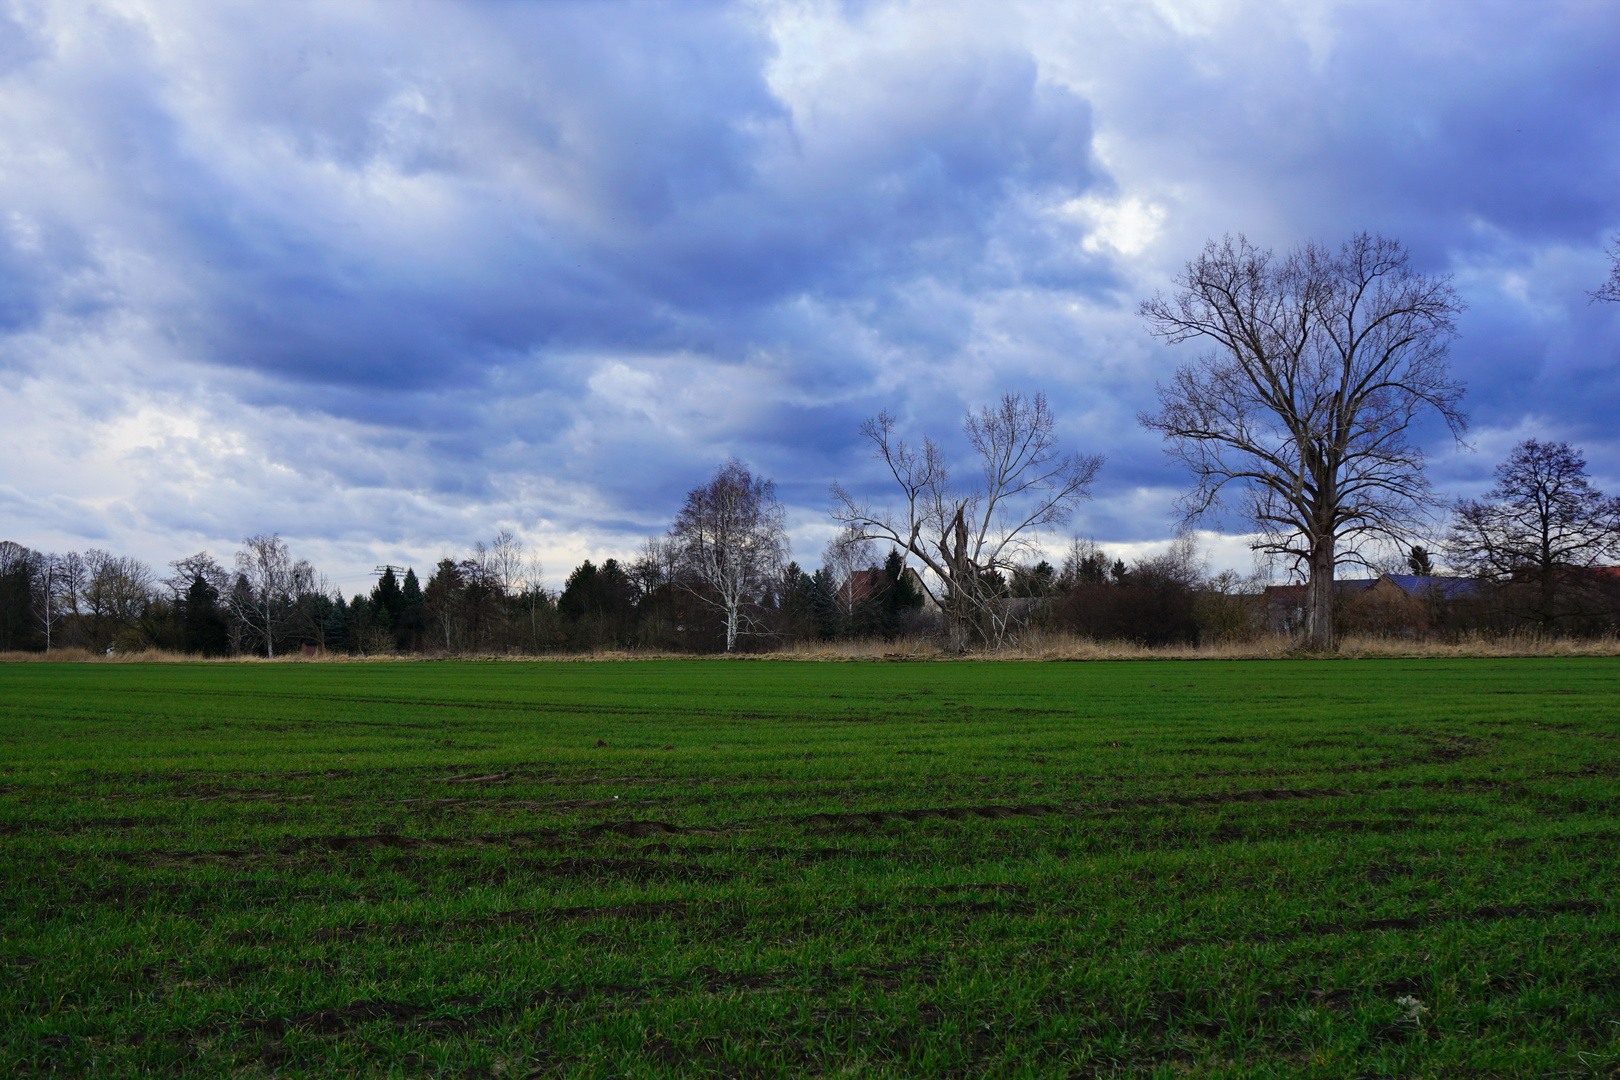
x,y
971,534
117,591
728,545
1542,528
1301,414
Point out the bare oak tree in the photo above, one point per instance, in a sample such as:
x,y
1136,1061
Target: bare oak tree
x,y
199,567
117,591
971,534
1300,415
1542,527
728,545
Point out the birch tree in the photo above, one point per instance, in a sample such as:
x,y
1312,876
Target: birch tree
x,y
728,545
268,582
1300,416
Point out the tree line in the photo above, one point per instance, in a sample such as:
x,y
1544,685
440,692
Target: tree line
x,y
1299,419
1534,553
492,601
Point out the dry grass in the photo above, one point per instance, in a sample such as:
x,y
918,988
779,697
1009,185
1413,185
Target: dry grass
x,y
170,656
1040,645
1035,645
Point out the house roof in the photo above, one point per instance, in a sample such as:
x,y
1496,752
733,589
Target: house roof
x,y
1448,588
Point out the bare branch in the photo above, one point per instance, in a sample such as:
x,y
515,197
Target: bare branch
x,y
1322,361
728,543
1610,290
969,537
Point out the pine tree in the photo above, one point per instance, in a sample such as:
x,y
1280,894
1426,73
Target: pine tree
x,y
205,629
387,602
412,614
824,605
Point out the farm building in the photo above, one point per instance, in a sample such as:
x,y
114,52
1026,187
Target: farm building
x,y
1389,604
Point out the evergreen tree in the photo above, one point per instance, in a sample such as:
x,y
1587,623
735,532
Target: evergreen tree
x,y
600,603
387,602
1038,580
797,611
18,569
1419,561
412,613
204,626
901,597
361,635
828,620
444,598
335,626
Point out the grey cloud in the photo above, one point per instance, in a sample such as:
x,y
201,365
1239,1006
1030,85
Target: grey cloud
x,y
428,269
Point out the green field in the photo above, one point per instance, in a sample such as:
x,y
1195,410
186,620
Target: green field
x,y
734,868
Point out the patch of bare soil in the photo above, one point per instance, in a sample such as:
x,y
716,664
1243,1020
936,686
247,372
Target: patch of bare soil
x,y
474,778
637,911
1489,913
637,830
1220,798
829,822
366,842
13,828
952,813
988,886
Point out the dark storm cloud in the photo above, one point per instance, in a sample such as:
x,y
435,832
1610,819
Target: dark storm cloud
x,y
636,189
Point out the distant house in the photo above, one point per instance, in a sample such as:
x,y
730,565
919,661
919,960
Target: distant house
x,y
1409,604
1426,587
858,586
865,583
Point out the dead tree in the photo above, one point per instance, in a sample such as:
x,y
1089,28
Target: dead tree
x,y
1300,415
971,535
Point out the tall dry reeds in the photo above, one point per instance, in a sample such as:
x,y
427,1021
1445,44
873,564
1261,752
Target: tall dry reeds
x,y
1035,645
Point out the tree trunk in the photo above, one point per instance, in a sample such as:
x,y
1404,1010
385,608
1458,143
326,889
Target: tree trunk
x,y
1549,585
1319,598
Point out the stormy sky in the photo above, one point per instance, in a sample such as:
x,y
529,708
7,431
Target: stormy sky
x,y
386,277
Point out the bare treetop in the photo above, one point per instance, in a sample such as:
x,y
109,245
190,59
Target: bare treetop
x,y
728,544
1300,415
968,533
1541,520
1610,290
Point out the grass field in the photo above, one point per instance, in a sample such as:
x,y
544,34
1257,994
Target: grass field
x,y
1336,868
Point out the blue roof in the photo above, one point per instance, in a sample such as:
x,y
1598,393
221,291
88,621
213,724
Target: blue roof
x,y
1447,588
